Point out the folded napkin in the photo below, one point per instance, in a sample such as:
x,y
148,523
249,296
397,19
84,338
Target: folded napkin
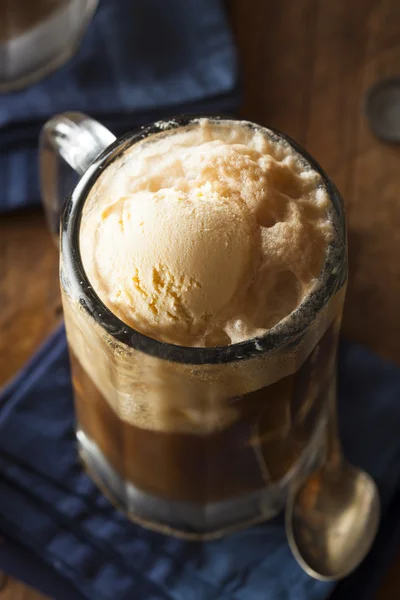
x,y
139,61
55,518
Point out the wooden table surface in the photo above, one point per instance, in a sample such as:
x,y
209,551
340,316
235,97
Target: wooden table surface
x,y
306,67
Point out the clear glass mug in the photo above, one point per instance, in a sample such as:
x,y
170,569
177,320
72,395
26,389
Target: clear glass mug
x,y
38,36
191,441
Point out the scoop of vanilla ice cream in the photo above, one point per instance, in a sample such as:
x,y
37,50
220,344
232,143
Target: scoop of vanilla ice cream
x,y
205,235
171,261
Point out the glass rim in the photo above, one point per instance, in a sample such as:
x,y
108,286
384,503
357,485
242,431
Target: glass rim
x,y
284,333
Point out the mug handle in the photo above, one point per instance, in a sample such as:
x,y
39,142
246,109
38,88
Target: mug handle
x,y
68,144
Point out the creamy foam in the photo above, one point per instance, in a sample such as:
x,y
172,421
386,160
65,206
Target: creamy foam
x,y
206,235
159,395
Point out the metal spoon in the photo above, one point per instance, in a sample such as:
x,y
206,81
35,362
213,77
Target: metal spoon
x,y
332,516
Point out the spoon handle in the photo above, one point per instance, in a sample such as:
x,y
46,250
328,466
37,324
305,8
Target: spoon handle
x,y
334,456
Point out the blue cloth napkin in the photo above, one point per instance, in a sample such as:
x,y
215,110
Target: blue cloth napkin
x,y
139,61
53,515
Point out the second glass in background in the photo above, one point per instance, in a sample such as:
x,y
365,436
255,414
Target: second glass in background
x,y
38,36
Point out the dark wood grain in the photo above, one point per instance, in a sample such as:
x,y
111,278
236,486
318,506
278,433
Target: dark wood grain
x,y
306,67
14,590
29,291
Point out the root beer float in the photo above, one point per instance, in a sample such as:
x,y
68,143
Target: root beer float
x,y
212,242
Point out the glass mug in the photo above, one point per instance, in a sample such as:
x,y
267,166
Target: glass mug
x,y
240,423
38,36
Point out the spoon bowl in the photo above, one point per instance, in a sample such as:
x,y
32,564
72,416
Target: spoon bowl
x,y
332,519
